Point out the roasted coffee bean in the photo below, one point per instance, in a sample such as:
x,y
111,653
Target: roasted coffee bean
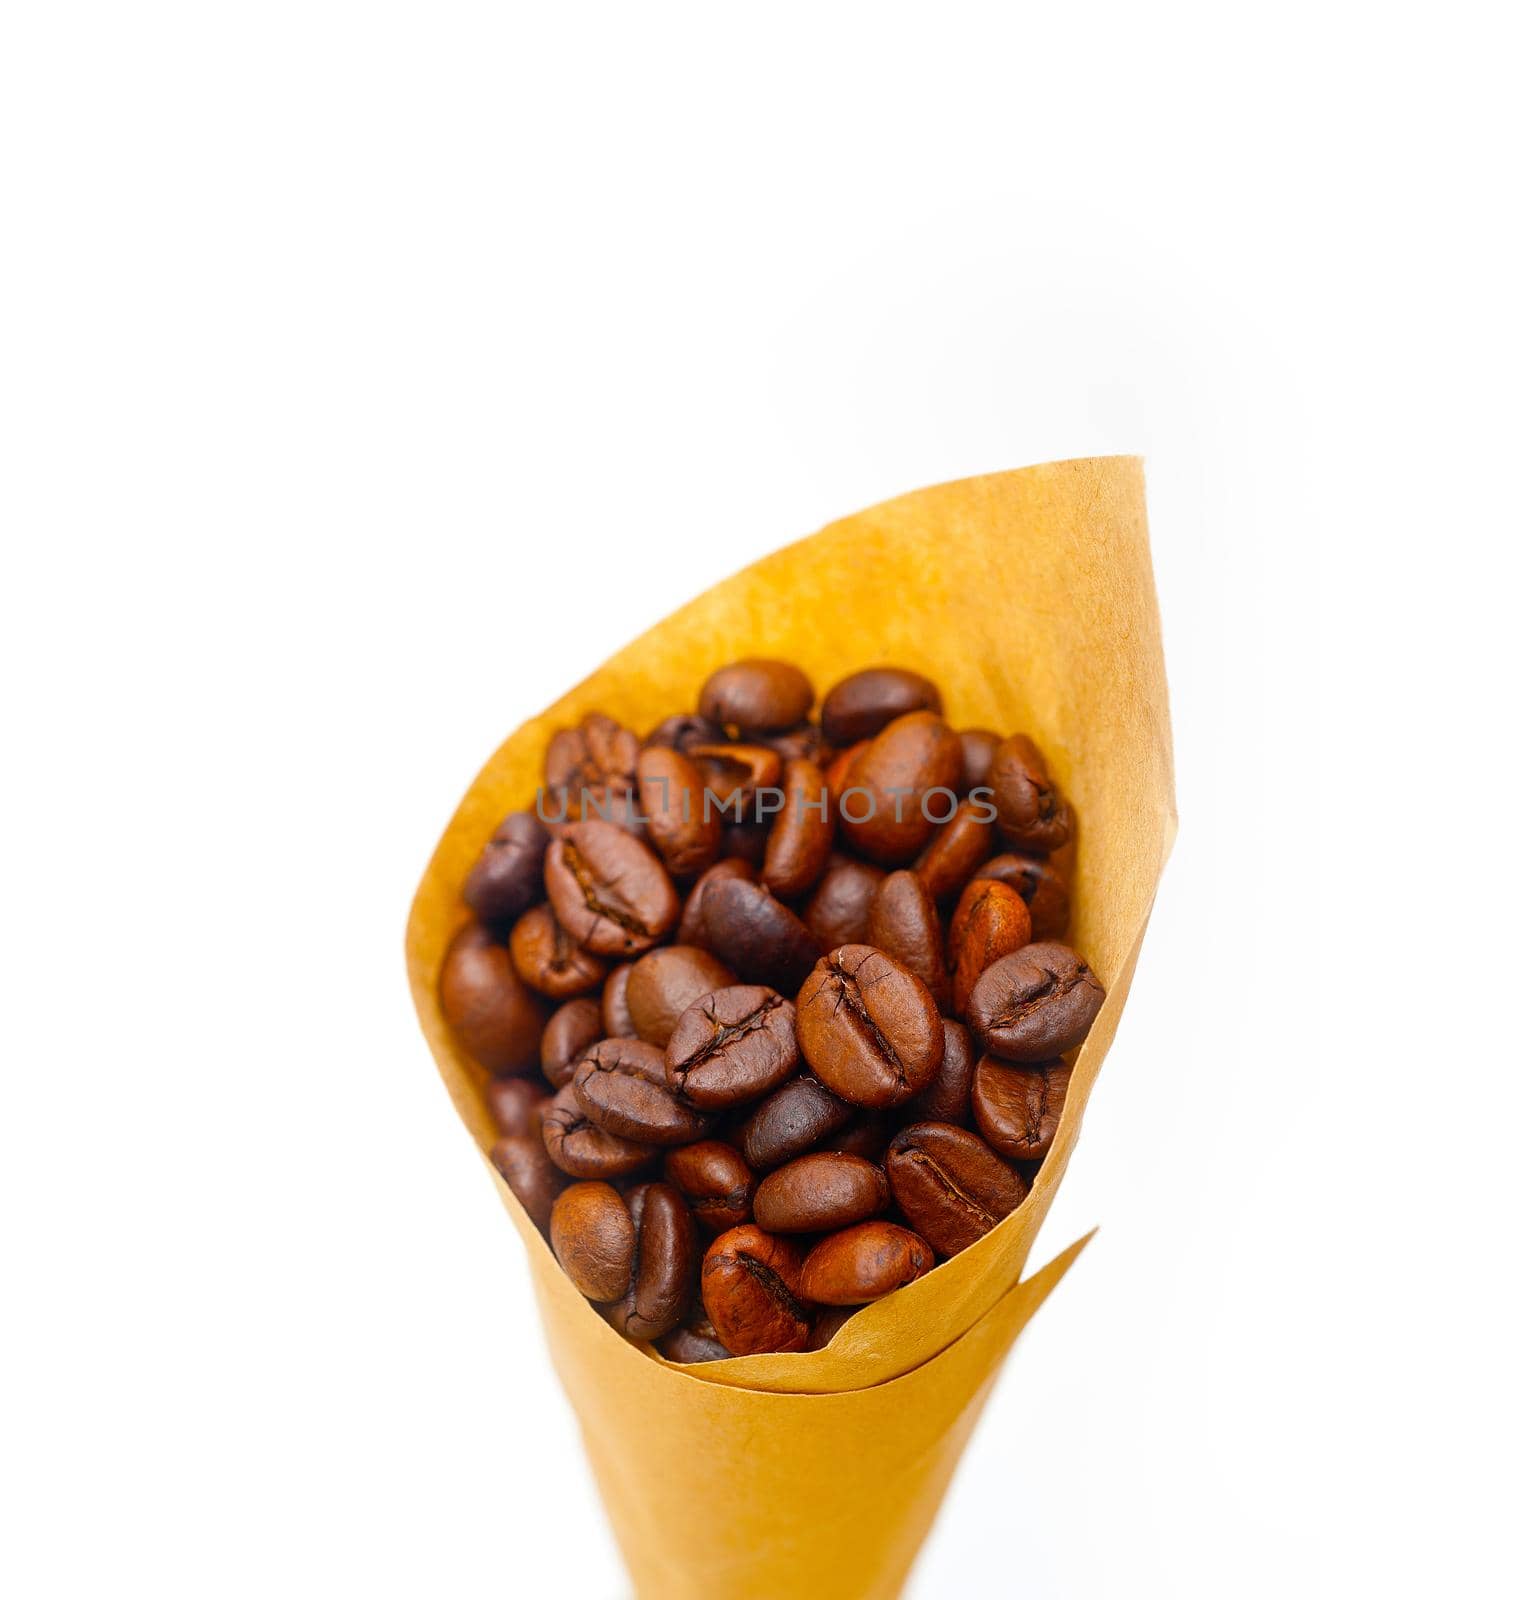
x,y
693,1342
715,1181
946,1097
750,1283
952,1187
573,1030
732,774
593,1236
584,1150
827,1324
900,788
867,1135
801,743
864,1263
590,764
1017,1109
683,732
977,745
506,879
957,849
691,923
819,1193
516,1106
903,923
991,921
535,1179
494,1014
839,770
1041,885
759,938
665,1266
615,1004
800,843
746,842
797,1115
837,913
868,1027
681,828
549,960
757,696
1034,1004
732,1046
1032,812
608,890
860,706
622,1086
665,983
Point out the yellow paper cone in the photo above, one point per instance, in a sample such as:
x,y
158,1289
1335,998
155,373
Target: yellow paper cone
x,y
1028,597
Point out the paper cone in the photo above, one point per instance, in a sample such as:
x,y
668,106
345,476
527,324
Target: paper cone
x,y
1028,597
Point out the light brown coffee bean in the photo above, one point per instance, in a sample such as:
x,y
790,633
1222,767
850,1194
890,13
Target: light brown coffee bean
x,y
593,1237
864,1263
750,1284
952,1187
494,1014
608,890
819,1193
664,983
549,960
1018,1109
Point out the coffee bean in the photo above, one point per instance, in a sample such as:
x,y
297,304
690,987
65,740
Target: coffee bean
x,y
828,1323
863,704
746,842
1034,1004
800,843
903,923
693,1342
549,960
715,1181
732,774
798,1114
839,770
759,939
516,1106
593,1236
977,746
573,1030
507,876
889,810
665,1263
591,764
946,1097
584,1150
691,923
1040,884
952,1187
685,832
665,983
800,743
957,849
1017,1109
494,1015
1032,812
622,1086
732,1046
864,1263
535,1179
868,1027
750,1283
819,1193
837,913
991,921
615,1004
757,696
683,732
610,892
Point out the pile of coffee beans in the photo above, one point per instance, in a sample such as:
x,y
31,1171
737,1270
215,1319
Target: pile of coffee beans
x,y
774,1010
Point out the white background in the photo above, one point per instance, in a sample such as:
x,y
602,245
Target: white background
x,y
370,371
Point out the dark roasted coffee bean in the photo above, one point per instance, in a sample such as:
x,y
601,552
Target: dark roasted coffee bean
x,y
837,913
691,923
1018,1108
801,743
956,850
665,983
584,1150
693,1342
715,1181
589,765
819,1193
665,1266
977,746
495,1016
732,774
732,1046
759,938
516,1106
1034,1004
795,1116
864,1263
868,1027
867,1135
750,1283
610,892
900,788
860,706
549,960
946,1097
683,732
535,1179
622,1086
1040,884
800,843
681,828
757,696
991,921
506,879
903,923
1032,812
827,1324
572,1031
952,1187
593,1236
615,1003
